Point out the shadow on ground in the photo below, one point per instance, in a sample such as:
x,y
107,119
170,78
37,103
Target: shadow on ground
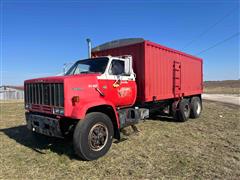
x,y
39,143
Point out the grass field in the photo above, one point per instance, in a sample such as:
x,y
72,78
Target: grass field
x,y
205,148
222,87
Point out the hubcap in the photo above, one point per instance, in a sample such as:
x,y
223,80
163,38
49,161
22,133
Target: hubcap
x,y
98,136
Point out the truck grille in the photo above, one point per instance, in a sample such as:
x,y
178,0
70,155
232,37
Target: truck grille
x,y
50,94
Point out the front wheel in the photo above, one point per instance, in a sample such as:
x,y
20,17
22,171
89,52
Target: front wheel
x,y
93,136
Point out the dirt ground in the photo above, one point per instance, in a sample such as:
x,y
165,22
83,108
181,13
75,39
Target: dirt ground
x,y
205,148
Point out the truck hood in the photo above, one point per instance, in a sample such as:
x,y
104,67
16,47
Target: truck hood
x,y
59,79
83,86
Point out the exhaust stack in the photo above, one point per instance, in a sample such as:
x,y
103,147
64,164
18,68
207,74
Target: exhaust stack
x,y
89,47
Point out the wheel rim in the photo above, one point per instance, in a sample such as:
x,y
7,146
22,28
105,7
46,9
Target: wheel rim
x,y
187,110
98,136
198,108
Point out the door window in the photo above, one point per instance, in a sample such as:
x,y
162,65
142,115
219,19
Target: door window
x,y
117,67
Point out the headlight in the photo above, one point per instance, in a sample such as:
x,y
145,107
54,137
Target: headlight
x,y
61,111
28,106
58,111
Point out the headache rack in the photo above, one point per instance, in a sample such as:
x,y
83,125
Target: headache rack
x,y
51,94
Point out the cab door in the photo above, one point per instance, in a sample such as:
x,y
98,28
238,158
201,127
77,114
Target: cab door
x,y
122,88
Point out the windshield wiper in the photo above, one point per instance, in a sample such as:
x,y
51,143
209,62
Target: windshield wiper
x,y
88,72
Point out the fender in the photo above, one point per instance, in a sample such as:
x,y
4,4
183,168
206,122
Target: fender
x,y
80,110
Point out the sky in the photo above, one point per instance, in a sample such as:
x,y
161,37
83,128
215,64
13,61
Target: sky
x,y
38,37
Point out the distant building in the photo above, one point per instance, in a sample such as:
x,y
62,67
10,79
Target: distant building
x,y
11,92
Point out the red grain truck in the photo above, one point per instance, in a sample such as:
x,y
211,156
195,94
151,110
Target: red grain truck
x,y
122,82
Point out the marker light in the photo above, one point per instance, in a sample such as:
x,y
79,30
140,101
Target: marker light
x,y
75,99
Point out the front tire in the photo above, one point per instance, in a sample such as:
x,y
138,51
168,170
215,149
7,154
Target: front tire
x,y
93,136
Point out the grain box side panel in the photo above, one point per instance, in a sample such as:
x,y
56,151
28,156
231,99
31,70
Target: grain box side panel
x,y
191,76
137,53
158,73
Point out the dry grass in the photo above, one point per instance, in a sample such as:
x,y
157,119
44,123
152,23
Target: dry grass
x,y
222,87
206,148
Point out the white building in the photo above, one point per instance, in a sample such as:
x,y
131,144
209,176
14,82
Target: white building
x,y
11,92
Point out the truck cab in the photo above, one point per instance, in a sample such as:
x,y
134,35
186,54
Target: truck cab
x,y
92,94
116,79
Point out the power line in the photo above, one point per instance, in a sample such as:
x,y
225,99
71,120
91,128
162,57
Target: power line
x,y
210,27
218,43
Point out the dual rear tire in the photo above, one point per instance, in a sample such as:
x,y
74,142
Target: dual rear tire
x,y
196,107
188,109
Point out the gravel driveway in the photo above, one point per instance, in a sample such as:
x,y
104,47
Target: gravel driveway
x,y
226,98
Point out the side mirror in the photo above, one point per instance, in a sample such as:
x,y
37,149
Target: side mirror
x,y
128,66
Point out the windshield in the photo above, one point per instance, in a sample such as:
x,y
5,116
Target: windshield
x,y
96,65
